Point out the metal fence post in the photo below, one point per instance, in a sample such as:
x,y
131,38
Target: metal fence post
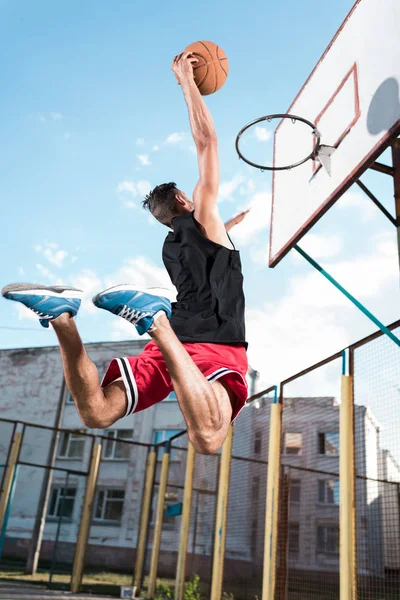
x,y
220,524
272,502
162,486
144,519
185,524
348,571
84,527
9,476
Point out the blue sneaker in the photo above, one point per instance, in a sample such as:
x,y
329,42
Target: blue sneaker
x,y
139,307
47,302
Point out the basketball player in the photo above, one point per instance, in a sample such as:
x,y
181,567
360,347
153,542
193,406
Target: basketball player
x,y
198,345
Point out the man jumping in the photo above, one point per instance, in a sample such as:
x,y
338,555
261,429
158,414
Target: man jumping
x,y
198,345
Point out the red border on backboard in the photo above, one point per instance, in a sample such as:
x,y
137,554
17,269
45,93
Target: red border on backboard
x,y
353,176
357,112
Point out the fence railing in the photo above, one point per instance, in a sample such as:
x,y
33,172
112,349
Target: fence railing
x,y
302,502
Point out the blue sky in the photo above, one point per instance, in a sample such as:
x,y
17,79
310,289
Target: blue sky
x,y
92,117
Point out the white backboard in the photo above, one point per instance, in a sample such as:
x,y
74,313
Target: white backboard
x,y
353,97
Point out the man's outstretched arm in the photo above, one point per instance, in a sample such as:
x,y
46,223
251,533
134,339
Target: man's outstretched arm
x,y
205,139
236,220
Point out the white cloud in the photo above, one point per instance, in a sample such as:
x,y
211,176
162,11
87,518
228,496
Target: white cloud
x,y
74,259
24,313
320,246
55,257
89,282
46,272
140,271
56,116
122,330
52,252
140,141
262,134
313,320
155,148
21,270
127,186
129,204
144,159
143,187
177,137
228,188
192,149
361,203
256,221
134,188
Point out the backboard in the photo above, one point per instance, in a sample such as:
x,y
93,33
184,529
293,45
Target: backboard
x,y
352,96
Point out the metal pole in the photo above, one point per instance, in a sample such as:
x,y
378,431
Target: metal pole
x,y
185,524
83,534
352,299
32,560
159,521
144,519
272,503
220,525
284,536
60,518
396,182
9,476
348,572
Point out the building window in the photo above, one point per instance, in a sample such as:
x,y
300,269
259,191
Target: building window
x,y
328,444
71,445
109,505
68,398
328,491
295,485
115,450
257,442
293,443
328,539
62,502
294,531
163,435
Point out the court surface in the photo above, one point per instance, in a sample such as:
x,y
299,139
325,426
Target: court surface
x,y
13,591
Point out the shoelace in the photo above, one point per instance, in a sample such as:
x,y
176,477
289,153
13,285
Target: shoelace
x,y
131,315
42,315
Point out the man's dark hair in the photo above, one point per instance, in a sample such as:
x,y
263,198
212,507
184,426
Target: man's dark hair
x,y
161,202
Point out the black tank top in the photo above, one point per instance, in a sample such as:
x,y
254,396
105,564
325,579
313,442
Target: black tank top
x,y
209,280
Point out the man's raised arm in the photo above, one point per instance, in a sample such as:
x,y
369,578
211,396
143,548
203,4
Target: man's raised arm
x,y
205,139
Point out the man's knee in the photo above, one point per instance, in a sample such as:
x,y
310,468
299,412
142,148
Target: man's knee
x,y
206,442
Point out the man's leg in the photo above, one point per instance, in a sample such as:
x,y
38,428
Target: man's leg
x,y
97,407
206,407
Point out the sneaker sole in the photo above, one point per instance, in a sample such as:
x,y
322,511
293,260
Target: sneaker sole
x,y
36,290
163,292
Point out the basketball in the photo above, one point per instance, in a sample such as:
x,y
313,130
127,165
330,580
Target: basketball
x,y
211,70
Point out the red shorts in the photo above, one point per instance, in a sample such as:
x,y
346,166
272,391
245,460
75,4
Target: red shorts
x,y
147,380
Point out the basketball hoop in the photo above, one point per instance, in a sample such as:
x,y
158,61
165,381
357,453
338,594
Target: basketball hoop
x,y
314,155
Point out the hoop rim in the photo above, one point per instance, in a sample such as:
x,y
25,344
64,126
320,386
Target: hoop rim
x,y
312,154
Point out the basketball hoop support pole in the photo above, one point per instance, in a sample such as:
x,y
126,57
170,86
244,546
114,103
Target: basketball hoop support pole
x,y
396,181
352,299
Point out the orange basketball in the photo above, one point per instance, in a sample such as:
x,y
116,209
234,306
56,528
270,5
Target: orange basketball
x,y
211,70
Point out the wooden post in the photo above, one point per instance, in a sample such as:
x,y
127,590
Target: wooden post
x,y
185,524
348,569
86,517
162,487
272,504
220,524
9,476
144,520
